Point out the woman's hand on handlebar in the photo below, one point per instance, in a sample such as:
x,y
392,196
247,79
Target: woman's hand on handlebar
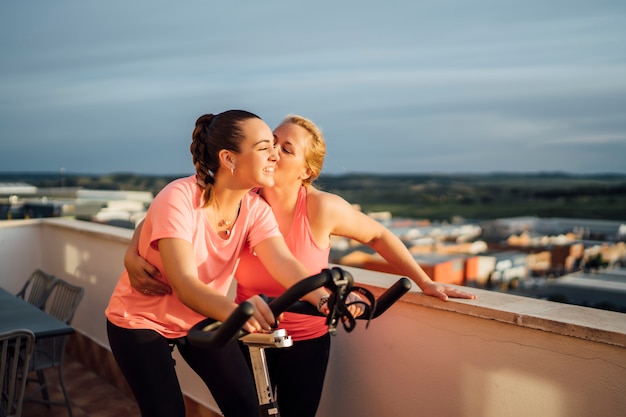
x,y
263,318
356,309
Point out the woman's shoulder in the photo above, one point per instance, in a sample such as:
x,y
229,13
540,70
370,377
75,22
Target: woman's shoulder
x,y
324,198
183,183
181,188
325,205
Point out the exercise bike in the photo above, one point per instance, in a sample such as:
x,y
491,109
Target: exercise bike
x,y
340,283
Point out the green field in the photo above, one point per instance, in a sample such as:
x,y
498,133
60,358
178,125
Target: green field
x,y
439,197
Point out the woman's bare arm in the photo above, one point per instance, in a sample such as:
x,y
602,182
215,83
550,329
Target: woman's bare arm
x,y
179,264
351,223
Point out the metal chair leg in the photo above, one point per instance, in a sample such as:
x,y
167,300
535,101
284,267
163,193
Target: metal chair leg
x,y
41,378
68,404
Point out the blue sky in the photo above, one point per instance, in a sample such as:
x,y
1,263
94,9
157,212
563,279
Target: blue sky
x,y
413,86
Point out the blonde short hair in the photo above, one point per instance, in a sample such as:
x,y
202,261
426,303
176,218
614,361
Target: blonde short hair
x,y
316,146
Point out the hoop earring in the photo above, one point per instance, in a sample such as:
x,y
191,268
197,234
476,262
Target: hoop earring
x,y
232,170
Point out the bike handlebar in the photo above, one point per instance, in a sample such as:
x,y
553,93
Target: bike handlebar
x,y
383,302
212,333
333,279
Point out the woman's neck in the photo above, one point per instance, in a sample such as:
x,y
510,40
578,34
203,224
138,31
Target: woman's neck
x,y
227,199
282,197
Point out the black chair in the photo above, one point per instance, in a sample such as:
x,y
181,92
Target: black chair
x,y
16,350
37,288
49,351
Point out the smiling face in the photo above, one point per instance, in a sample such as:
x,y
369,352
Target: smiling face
x,y
255,162
292,144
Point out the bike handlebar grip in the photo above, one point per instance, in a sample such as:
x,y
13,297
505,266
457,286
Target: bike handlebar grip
x,y
281,303
393,294
229,329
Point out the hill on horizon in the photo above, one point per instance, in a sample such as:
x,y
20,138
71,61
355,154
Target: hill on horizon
x,y
437,196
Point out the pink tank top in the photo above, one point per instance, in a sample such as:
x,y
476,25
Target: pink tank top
x,y
252,277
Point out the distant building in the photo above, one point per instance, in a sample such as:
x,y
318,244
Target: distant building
x,y
16,188
604,290
114,195
418,232
448,269
584,229
118,208
478,269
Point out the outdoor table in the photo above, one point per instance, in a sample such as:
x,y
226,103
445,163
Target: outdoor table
x,y
16,313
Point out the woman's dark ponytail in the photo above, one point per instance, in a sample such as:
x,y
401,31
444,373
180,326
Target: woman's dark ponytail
x,y
212,134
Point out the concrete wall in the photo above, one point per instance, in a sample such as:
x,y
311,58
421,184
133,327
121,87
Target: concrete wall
x,y
500,355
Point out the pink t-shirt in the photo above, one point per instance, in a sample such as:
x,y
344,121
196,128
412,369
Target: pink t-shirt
x,y
252,277
176,212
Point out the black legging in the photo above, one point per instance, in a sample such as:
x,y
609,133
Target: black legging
x,y
297,373
145,359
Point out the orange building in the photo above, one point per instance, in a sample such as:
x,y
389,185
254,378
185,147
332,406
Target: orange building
x,y
444,269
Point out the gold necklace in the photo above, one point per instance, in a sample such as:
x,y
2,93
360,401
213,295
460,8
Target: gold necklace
x,y
227,223
224,223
